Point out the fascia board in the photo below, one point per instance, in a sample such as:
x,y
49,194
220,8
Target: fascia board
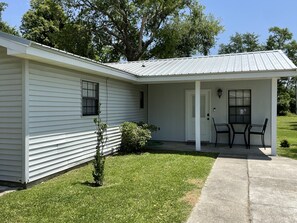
x,y
215,77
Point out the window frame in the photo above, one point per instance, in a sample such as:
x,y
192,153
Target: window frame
x,y
95,98
235,110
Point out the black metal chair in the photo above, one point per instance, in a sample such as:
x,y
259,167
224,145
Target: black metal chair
x,y
256,129
221,128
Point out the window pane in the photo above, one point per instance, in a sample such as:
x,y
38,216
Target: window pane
x,y
232,119
247,93
239,119
232,102
246,101
91,93
239,101
247,119
232,111
84,102
84,110
90,86
85,85
232,94
85,93
239,94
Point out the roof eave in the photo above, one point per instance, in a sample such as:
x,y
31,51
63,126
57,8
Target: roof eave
x,y
30,50
217,76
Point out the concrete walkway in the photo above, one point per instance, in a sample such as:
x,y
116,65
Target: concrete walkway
x,y
249,188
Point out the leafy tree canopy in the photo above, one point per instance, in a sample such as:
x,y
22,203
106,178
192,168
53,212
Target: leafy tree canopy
x,y
47,23
136,29
246,42
4,27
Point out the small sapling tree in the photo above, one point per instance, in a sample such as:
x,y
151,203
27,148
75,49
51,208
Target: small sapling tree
x,y
99,161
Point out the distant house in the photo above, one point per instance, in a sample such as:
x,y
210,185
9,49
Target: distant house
x,y
48,99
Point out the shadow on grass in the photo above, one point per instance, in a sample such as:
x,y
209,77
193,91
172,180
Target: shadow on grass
x,y
184,153
87,183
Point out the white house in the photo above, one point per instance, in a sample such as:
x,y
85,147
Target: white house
x,y
48,99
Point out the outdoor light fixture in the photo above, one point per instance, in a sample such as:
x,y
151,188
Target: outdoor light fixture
x,y
220,92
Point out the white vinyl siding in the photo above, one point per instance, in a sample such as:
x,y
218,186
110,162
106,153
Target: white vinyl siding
x,y
60,137
10,118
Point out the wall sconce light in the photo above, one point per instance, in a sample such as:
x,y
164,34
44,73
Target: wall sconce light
x,y
220,92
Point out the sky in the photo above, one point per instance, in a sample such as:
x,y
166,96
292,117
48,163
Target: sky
x,y
241,16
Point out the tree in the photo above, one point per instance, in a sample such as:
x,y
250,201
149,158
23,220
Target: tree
x,y
4,27
282,39
145,29
47,23
43,21
279,39
247,42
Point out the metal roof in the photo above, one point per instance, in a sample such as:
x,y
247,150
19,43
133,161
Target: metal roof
x,y
259,61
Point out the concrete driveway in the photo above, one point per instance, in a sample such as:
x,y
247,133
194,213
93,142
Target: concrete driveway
x,y
249,188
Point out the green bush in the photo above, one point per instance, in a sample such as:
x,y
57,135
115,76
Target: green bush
x,y
285,143
135,136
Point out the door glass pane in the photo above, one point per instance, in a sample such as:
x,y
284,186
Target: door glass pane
x,y
202,106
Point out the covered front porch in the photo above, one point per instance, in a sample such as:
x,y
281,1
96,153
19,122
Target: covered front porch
x,y
173,107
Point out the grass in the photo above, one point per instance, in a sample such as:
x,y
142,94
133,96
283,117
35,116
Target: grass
x,y
287,129
152,187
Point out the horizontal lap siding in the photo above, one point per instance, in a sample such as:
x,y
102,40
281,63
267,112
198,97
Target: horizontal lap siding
x,y
10,118
60,137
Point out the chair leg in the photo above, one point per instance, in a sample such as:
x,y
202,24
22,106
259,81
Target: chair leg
x,y
216,139
233,136
249,141
263,141
229,141
246,145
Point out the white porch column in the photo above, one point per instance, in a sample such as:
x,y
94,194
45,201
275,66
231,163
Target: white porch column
x,y
197,115
273,116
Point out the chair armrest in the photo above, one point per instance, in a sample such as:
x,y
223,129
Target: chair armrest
x,y
256,125
222,124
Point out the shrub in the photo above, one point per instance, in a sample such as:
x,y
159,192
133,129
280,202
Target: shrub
x,y
99,159
135,136
285,143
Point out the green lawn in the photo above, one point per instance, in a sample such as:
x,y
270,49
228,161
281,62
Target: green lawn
x,y
152,187
287,129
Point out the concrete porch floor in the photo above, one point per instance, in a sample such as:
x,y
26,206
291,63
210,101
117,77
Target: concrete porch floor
x,y
221,148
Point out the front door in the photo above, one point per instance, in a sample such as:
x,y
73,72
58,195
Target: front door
x,y
204,115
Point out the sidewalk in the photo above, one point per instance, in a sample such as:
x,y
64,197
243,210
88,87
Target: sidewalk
x,y
249,188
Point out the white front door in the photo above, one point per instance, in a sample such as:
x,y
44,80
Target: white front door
x,y
204,115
